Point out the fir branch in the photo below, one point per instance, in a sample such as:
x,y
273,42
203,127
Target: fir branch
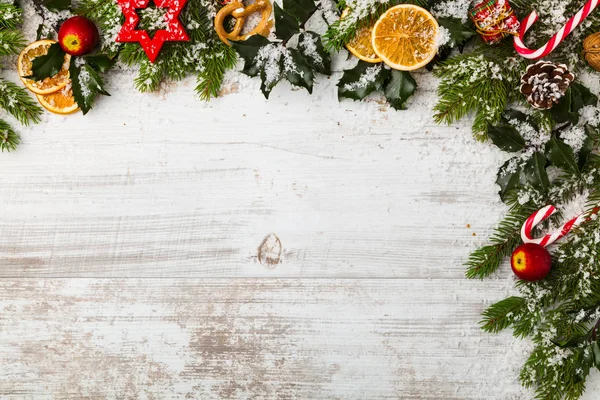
x,y
486,260
18,103
211,74
10,16
9,139
150,76
11,42
502,314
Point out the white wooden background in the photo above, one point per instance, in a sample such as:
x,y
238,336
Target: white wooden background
x,y
296,248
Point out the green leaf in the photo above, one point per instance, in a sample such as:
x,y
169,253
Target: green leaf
x,y
596,352
398,88
100,62
589,145
561,155
535,173
506,137
508,180
286,25
86,85
300,74
248,50
299,9
57,5
48,65
581,97
576,97
460,33
269,81
313,51
362,80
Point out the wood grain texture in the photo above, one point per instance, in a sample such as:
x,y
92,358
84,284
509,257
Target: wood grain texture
x,y
299,248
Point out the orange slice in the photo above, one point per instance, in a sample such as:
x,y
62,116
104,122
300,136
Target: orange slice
x,y
405,37
360,45
61,102
48,85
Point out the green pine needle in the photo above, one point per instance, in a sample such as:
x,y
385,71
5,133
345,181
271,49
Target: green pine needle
x,y
9,139
10,16
11,42
18,103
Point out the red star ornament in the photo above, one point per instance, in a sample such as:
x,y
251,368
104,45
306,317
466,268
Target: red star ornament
x,y
174,32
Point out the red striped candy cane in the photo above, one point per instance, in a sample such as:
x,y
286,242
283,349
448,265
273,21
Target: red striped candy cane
x,y
558,36
550,238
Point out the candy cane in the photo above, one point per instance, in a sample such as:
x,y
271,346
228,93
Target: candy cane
x,y
558,36
550,238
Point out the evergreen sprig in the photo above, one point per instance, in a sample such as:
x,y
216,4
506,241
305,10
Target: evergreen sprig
x,y
18,103
10,16
9,139
11,42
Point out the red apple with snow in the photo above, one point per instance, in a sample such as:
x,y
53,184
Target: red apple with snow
x,y
78,36
531,262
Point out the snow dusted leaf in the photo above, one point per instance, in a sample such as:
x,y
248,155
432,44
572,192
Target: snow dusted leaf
x,y
87,84
589,145
561,155
535,171
362,80
508,177
313,51
299,9
55,5
286,25
248,50
506,136
398,88
458,32
100,62
297,71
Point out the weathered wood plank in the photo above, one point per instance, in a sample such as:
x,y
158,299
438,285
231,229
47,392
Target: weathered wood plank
x,y
166,185
252,338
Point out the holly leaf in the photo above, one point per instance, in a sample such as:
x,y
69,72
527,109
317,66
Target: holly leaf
x,y
286,25
596,352
313,51
362,80
506,137
589,145
561,155
100,62
459,32
399,87
299,9
535,173
508,180
56,5
248,50
271,76
48,65
576,97
300,73
86,85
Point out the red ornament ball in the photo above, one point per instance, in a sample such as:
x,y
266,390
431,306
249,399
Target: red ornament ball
x,y
531,262
78,36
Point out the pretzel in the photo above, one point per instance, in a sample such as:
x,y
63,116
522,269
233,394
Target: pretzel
x,y
238,11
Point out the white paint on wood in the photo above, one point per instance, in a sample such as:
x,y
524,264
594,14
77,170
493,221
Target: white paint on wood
x,y
131,265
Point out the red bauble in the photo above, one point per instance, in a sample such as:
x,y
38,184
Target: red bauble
x,y
78,36
531,262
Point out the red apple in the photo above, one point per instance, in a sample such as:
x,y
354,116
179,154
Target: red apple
x,y
78,36
531,262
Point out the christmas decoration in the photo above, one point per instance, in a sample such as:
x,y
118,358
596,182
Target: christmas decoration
x,y
405,37
558,37
237,10
591,50
531,262
550,238
544,83
78,36
361,45
494,20
152,46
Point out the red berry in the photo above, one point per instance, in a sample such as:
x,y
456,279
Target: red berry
x,y
78,36
531,262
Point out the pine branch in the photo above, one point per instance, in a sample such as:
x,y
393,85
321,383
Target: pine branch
x,y
18,103
11,42
502,314
9,139
150,76
10,16
211,74
486,260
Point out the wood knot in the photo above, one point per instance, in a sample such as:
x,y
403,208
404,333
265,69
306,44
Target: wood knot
x,y
269,251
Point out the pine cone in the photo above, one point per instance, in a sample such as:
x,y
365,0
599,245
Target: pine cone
x,y
544,83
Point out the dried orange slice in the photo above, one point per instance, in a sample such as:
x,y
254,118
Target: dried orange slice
x,y
61,102
48,85
405,37
360,45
